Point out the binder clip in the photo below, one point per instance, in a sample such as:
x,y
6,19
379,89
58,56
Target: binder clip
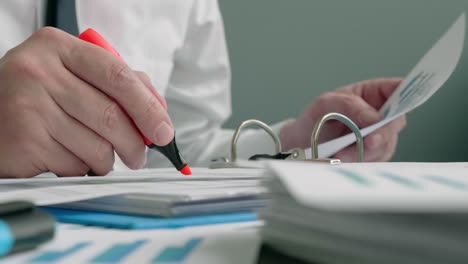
x,y
296,154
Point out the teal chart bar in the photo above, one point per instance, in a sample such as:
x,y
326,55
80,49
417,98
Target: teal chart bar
x,y
176,254
54,256
401,180
356,178
448,182
117,252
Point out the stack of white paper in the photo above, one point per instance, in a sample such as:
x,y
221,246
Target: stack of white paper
x,y
376,213
369,213
203,184
220,243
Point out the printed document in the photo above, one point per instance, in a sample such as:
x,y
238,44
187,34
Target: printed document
x,y
432,71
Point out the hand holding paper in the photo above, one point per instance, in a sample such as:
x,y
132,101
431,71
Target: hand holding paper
x,y
360,102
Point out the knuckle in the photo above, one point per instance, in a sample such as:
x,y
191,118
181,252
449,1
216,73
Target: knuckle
x,y
143,77
348,100
334,98
19,106
326,97
151,111
342,103
22,64
111,116
324,100
48,34
120,76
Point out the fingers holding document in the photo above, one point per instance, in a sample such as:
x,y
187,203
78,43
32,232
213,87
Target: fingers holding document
x,y
360,102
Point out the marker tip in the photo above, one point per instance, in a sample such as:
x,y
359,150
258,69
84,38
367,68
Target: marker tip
x,y
186,170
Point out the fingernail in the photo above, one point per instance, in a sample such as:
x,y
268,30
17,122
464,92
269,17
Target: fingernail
x,y
143,163
368,117
164,134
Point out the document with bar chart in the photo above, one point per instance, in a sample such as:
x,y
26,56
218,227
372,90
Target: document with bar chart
x,y
428,76
81,244
375,187
368,212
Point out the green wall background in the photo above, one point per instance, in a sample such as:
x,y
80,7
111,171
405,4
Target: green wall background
x,y
285,53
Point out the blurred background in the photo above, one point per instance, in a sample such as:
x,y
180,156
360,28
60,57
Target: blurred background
x,y
285,53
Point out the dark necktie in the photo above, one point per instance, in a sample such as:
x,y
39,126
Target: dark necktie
x,y
62,14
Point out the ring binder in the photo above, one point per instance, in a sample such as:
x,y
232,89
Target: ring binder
x,y
293,154
345,120
316,133
233,162
251,122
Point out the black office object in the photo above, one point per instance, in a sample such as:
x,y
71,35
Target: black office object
x,y
22,227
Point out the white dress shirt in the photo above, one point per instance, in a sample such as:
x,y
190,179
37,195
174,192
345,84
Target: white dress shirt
x,y
181,45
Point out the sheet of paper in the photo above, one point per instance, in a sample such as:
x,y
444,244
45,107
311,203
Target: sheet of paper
x,y
204,183
432,71
231,243
154,175
377,187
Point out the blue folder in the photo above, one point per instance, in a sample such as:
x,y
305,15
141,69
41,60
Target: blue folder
x,y
122,221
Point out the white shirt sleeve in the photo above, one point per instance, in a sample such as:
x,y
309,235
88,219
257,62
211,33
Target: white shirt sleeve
x,y
199,95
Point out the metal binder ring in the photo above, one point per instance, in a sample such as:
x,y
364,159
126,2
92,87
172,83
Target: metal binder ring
x,y
343,119
252,122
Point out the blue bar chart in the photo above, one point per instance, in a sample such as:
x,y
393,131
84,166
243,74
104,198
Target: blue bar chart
x,y
415,182
176,254
448,182
54,256
118,252
404,181
354,177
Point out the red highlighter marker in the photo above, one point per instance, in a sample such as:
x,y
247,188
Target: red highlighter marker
x,y
170,150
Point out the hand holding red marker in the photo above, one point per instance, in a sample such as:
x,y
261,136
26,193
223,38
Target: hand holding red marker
x,y
170,150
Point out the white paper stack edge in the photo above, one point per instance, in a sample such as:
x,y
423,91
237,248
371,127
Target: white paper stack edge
x,y
313,232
